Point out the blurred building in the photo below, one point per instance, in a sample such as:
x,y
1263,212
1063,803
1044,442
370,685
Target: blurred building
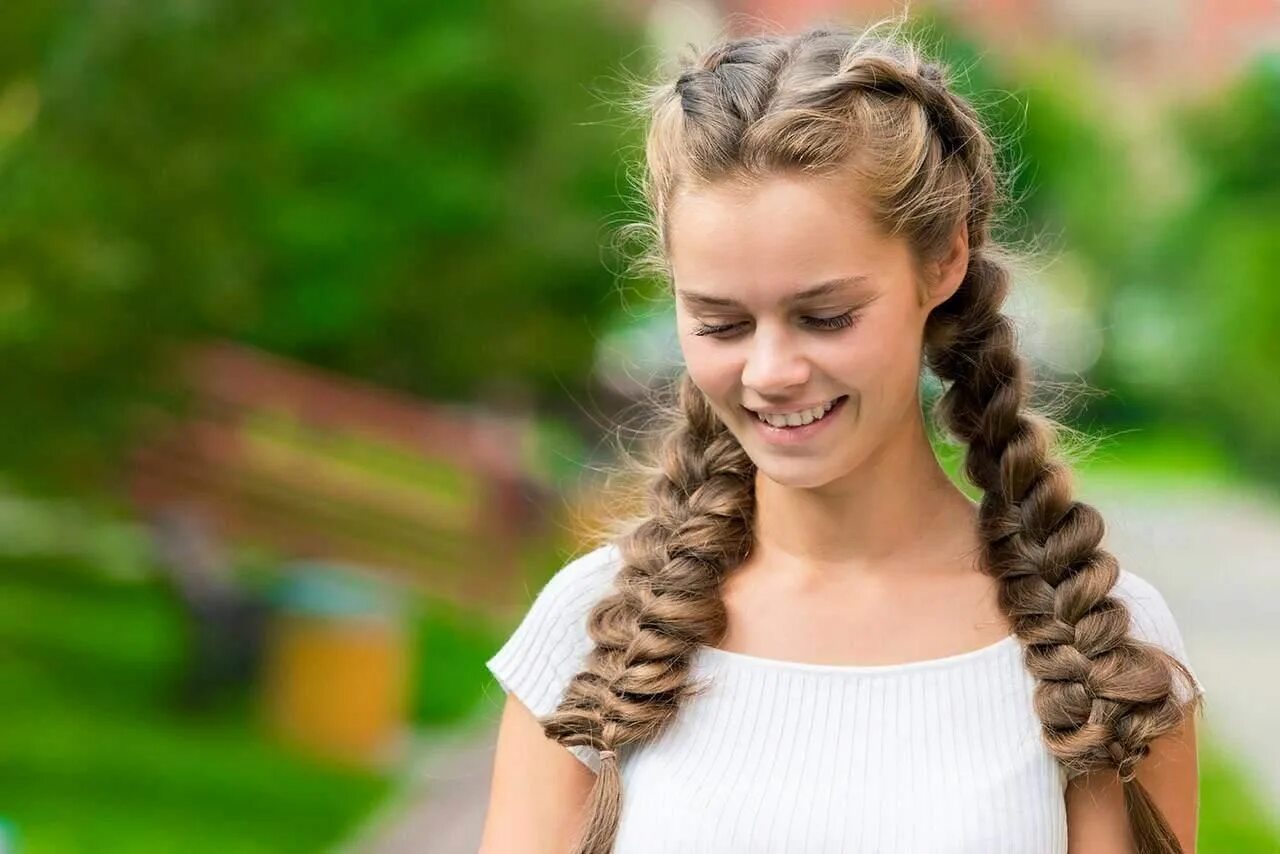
x,y
1165,48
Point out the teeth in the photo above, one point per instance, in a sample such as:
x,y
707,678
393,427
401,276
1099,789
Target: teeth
x,y
797,419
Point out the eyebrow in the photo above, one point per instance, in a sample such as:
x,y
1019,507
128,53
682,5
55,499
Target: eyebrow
x,y
822,289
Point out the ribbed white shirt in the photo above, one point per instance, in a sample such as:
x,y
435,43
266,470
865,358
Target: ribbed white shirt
x,y
938,756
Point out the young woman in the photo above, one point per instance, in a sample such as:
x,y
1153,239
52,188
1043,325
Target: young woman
x,y
813,641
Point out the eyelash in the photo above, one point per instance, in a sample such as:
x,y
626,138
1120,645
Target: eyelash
x,y
825,324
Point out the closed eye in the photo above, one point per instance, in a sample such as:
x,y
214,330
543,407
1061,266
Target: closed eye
x,y
839,321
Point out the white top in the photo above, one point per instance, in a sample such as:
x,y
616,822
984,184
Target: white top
x,y
941,756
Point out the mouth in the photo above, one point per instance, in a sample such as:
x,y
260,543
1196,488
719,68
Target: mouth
x,y
798,426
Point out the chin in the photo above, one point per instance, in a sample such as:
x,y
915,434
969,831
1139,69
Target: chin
x,y
808,475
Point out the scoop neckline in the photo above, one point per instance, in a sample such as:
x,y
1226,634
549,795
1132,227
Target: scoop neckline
x,y
714,652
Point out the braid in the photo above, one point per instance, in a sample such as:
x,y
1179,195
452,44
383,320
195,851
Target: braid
x,y
667,602
1101,695
886,76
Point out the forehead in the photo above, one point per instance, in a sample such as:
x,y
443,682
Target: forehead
x,y
773,237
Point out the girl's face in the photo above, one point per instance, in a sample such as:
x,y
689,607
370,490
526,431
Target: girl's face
x,y
789,300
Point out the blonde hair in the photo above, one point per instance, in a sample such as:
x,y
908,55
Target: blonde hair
x,y
829,101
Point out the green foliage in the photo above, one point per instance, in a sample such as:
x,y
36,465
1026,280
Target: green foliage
x,y
1152,459
413,193
1064,168
89,670
1176,231
1205,309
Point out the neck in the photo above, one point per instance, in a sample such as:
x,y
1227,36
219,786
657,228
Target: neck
x,y
885,516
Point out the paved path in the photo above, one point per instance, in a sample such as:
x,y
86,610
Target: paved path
x,y
440,808
1213,553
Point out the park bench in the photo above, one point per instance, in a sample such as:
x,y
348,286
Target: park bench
x,y
310,465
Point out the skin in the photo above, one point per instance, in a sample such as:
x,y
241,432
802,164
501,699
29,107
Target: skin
x,y
539,791
838,551
839,572
1096,820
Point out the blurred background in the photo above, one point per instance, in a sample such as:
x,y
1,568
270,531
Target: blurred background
x,y
313,333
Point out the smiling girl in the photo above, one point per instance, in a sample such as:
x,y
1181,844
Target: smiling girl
x,y
812,640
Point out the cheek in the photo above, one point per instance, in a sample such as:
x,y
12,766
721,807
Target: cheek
x,y
882,355
711,368
880,360
860,354
893,368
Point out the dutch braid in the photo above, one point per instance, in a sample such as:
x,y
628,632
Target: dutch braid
x,y
1101,695
667,603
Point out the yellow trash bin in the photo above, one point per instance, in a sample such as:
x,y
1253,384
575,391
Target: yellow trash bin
x,y
336,670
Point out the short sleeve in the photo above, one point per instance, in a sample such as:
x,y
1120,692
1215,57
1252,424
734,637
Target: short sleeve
x,y
1151,620
550,645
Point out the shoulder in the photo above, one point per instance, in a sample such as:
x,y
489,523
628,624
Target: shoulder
x,y
1151,619
586,577
1150,616
551,641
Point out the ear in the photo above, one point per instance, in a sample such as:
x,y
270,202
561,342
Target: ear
x,y
946,274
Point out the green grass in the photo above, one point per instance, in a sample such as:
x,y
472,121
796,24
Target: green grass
x,y
1232,820
95,757
452,647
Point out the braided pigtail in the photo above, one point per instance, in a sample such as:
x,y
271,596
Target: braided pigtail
x,y
1101,695
667,602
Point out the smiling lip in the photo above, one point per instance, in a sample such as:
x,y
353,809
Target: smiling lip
x,y
792,435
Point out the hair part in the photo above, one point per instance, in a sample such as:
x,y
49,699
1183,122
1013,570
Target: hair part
x,y
873,109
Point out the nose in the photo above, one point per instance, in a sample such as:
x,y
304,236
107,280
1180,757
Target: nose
x,y
775,365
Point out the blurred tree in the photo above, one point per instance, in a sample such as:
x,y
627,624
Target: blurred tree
x,y
1064,162
413,193
1074,200
1205,313
1177,231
